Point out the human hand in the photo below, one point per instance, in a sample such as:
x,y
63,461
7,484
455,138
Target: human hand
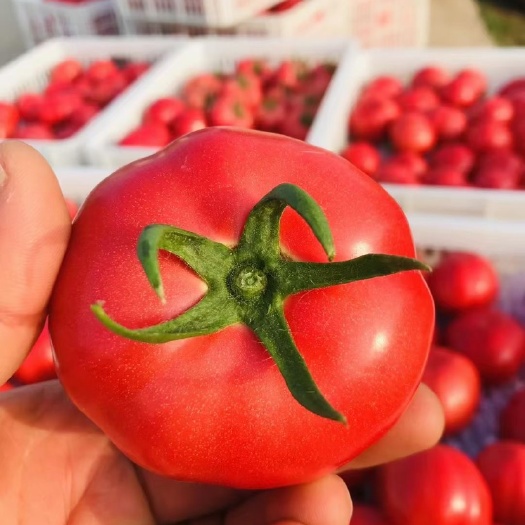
x,y
57,467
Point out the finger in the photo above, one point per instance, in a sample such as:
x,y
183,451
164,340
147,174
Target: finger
x,y
323,502
34,230
419,428
174,501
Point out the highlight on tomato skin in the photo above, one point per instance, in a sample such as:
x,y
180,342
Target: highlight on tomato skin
x,y
215,408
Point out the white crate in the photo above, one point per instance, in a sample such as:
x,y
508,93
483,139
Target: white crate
x,y
40,20
390,23
202,55
203,13
308,18
77,182
330,130
30,72
501,241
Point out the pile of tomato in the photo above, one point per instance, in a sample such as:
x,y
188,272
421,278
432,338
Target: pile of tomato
x,y
282,99
476,475
74,94
440,129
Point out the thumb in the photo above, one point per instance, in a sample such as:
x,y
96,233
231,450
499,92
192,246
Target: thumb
x,y
34,231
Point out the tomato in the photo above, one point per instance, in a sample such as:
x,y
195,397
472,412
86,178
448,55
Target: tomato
x,y
371,118
38,365
147,135
9,117
445,176
489,135
413,162
215,408
456,382
363,156
164,110
412,132
33,130
189,120
512,418
29,106
200,90
463,280
431,76
396,173
366,515
440,486
384,86
271,113
503,466
419,98
449,122
66,71
453,155
465,89
498,178
492,339
495,108
230,110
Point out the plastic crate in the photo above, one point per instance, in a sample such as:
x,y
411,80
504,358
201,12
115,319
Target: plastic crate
x,y
30,72
308,18
330,130
202,55
40,20
202,13
389,23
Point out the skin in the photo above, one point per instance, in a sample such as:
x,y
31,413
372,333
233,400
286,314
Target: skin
x,y
58,467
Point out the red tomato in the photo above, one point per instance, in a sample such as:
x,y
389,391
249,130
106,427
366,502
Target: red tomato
x,y
9,118
189,120
465,89
102,92
413,162
503,466
200,90
431,76
147,135
449,122
488,135
440,486
230,110
382,87
259,67
371,118
215,408
33,130
134,70
420,98
101,70
463,280
66,71
495,108
288,74
453,155
396,173
245,86
456,382
497,178
271,113
492,339
412,132
363,156
164,111
444,176
60,106
38,365
512,418
366,515
298,120
29,106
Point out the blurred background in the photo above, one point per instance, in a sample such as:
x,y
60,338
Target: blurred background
x,y
450,23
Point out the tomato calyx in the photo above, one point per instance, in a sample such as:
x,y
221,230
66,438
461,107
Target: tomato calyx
x,y
249,284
